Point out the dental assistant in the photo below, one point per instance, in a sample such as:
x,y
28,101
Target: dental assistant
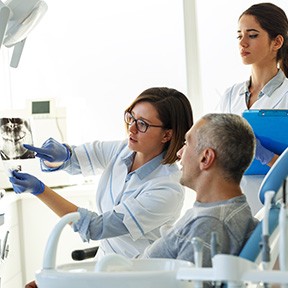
x,y
139,189
263,44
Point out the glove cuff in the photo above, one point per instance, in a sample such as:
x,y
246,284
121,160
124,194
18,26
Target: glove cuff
x,y
268,157
41,189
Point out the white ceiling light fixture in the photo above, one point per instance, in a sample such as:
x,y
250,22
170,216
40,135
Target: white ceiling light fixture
x,y
17,20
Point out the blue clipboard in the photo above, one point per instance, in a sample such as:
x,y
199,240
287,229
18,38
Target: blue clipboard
x,y
271,128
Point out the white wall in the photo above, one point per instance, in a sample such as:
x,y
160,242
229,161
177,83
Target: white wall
x,y
95,57
4,77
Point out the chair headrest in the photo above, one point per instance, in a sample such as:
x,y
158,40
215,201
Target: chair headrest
x,y
275,176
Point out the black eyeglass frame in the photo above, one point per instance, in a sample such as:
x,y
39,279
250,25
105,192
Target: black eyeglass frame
x,y
137,120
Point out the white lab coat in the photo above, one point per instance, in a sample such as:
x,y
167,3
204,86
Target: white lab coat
x,y
148,197
234,102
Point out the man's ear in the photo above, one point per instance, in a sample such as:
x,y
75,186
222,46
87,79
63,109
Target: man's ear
x,y
208,158
167,135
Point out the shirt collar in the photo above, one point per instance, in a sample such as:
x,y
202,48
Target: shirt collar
x,y
274,83
268,89
145,169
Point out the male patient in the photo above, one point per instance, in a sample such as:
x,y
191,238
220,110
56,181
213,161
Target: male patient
x,y
218,149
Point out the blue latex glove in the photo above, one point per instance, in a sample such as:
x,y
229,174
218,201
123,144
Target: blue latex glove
x,y
51,151
23,182
262,154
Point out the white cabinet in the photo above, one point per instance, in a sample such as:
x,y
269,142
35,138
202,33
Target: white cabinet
x,y
37,221
11,260
28,223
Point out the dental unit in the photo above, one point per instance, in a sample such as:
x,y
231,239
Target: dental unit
x,y
268,240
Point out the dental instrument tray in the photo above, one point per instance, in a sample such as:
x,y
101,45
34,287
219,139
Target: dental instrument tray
x,y
270,126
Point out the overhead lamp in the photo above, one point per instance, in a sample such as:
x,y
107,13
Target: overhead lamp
x,y
17,20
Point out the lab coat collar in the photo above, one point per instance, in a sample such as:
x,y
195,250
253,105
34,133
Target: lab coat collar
x,y
147,168
269,88
274,83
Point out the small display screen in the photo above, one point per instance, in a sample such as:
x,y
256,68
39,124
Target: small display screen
x,y
41,107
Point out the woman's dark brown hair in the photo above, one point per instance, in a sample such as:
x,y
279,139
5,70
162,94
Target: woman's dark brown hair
x,y
274,21
175,113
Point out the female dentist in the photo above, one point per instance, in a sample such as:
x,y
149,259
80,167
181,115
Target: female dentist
x,y
139,189
263,44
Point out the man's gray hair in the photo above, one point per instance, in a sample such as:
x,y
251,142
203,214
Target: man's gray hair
x,y
232,139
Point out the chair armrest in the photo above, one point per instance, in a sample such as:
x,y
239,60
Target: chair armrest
x,y
83,254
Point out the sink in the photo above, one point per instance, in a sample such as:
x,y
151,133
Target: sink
x,y
144,273
109,272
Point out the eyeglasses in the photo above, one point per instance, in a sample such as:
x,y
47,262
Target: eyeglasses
x,y
141,125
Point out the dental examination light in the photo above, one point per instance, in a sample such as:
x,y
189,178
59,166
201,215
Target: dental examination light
x,y
17,19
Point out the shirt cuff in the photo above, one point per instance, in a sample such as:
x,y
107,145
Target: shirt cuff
x,y
82,225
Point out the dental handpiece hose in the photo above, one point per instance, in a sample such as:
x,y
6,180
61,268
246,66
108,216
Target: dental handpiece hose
x,y
265,232
283,225
215,246
198,251
198,257
215,249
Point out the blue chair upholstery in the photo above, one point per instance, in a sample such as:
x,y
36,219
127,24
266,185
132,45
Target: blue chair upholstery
x,y
275,176
272,182
252,248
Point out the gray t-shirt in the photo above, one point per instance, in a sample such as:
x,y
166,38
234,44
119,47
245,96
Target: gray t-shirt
x,y
231,219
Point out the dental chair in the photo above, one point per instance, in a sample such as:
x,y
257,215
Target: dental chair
x,y
228,270
273,181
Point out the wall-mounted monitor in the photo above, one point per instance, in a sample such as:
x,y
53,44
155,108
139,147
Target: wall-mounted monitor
x,y
41,108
